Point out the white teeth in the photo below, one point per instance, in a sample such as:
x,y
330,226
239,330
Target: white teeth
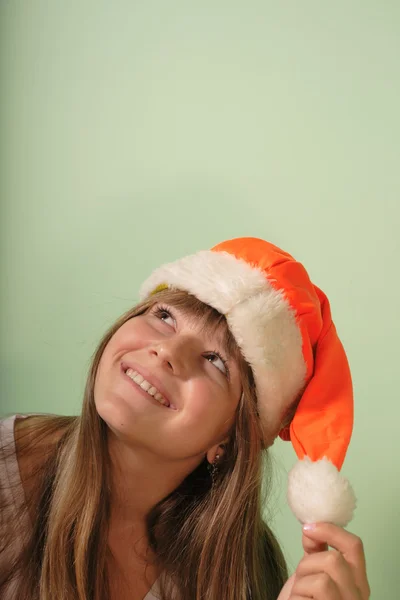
x,y
146,386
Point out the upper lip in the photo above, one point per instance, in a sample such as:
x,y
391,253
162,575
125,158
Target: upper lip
x,y
125,365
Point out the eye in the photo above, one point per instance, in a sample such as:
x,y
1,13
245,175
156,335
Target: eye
x,y
219,362
164,315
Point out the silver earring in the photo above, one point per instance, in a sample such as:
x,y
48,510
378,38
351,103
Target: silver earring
x,y
213,470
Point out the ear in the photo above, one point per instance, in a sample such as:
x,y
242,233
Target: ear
x,y
217,449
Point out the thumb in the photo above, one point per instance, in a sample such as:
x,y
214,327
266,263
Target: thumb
x,y
287,588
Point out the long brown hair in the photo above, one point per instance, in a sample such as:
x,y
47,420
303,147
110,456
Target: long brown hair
x,y
210,542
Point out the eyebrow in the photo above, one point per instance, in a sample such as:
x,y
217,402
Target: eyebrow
x,y
222,341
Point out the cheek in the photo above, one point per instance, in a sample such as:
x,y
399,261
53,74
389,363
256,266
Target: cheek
x,y
130,335
207,403
133,335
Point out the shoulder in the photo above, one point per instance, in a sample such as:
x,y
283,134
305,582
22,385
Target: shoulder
x,y
36,438
29,441
36,433
39,432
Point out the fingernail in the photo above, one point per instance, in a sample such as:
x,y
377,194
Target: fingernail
x,y
309,527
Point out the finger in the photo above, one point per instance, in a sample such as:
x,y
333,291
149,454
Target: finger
x,y
345,542
348,544
311,546
333,564
318,586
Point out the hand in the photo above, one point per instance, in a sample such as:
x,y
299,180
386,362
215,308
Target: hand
x,y
322,574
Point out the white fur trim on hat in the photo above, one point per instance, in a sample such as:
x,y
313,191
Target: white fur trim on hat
x,y
318,492
216,278
259,316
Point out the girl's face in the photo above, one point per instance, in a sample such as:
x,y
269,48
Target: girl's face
x,y
186,366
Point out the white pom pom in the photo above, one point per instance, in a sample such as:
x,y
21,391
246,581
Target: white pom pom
x,y
317,492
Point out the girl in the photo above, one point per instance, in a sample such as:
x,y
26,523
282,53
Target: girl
x,y
156,490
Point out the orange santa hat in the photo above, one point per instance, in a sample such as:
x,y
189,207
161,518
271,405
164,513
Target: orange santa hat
x,y
282,323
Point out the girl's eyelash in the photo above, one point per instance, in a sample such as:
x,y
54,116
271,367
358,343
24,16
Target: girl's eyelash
x,y
224,361
161,310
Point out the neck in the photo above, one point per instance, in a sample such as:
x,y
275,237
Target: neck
x,y
139,480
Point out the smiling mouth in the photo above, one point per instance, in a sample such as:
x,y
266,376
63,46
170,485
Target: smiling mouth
x,y
147,387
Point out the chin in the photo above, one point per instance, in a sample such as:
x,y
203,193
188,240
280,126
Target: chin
x,y
115,413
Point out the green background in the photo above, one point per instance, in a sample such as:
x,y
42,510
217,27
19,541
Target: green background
x,y
133,133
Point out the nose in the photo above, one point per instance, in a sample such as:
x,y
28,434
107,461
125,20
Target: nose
x,y
174,354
